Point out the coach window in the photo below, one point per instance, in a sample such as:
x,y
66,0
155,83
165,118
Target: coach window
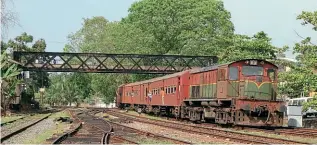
x,y
233,73
271,74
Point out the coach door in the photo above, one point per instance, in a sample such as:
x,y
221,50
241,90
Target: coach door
x,y
222,82
140,93
144,95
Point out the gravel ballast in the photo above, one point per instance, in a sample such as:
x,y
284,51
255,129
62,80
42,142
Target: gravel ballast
x,y
31,132
8,128
194,138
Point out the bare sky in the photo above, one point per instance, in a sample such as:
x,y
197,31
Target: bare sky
x,y
53,20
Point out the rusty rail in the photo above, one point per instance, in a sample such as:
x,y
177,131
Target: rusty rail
x,y
106,133
203,130
5,137
67,134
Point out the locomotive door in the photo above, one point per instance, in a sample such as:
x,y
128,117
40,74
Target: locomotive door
x,y
222,82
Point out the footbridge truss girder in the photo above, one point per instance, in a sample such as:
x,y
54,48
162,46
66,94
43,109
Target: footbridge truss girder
x,y
109,63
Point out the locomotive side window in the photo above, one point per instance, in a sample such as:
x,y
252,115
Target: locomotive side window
x,y
233,73
271,74
195,91
252,71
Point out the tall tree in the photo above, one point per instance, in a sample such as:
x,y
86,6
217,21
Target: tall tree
x,y
167,27
182,27
8,17
9,81
38,79
303,77
68,88
258,46
24,43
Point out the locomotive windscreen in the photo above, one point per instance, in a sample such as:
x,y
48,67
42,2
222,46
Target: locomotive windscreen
x,y
252,70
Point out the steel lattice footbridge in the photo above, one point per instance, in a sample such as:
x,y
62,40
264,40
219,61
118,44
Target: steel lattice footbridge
x,y
109,63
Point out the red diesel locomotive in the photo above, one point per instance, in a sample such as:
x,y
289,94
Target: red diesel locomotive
x,y
239,93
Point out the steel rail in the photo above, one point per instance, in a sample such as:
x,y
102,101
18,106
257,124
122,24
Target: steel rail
x,y
5,137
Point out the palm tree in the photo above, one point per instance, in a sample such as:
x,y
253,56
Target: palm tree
x,y
9,81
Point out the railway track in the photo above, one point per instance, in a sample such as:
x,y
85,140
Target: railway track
x,y
122,130
89,130
5,123
15,131
235,136
303,132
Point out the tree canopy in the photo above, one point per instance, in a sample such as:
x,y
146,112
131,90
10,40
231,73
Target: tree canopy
x,y
179,27
166,27
303,76
37,80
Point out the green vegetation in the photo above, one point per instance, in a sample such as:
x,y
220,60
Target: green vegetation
x,y
11,118
163,27
59,128
146,115
158,27
10,71
68,88
9,81
148,140
303,76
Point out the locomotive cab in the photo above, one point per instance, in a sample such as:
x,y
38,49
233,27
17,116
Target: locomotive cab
x,y
256,80
252,85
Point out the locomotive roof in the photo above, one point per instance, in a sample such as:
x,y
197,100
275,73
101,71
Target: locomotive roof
x,y
204,69
192,71
158,78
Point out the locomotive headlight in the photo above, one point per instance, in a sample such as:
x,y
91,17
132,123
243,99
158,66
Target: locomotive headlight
x,y
253,62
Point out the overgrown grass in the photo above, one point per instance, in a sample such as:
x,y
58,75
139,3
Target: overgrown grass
x,y
8,119
59,128
146,115
148,140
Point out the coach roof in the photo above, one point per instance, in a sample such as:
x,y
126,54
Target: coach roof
x,y
158,78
